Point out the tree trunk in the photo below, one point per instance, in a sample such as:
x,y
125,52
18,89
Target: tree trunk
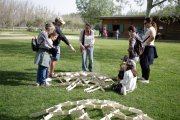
x,y
149,7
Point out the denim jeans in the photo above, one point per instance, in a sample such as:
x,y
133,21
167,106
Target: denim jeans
x,y
146,59
42,72
88,52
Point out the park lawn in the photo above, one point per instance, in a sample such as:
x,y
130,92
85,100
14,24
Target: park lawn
x,y
65,32
19,97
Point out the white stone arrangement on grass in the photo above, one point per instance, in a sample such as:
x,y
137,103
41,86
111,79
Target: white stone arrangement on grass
x,y
115,110
92,81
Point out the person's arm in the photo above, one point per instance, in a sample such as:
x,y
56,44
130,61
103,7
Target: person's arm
x,y
151,37
126,78
81,38
93,41
47,43
61,36
64,39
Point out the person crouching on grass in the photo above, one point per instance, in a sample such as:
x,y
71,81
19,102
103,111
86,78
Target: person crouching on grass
x,y
127,81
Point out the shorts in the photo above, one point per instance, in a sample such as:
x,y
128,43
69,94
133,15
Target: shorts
x,y
56,58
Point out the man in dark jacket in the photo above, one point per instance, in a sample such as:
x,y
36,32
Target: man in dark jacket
x,y
58,23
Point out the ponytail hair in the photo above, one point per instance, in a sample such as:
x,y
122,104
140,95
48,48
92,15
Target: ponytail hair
x,y
154,25
132,28
150,20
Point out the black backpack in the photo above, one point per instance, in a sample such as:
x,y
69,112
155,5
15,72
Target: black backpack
x,y
138,47
34,44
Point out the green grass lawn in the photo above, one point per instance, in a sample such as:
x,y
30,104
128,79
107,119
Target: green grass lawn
x,y
19,97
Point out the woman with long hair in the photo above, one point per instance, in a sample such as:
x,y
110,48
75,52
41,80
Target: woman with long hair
x,y
147,58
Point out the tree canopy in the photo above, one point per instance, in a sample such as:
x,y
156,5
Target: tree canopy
x,y
152,4
91,10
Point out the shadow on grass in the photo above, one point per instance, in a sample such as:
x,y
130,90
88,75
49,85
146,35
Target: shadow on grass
x,y
16,78
8,117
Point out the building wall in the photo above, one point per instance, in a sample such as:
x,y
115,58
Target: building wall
x,y
166,31
170,31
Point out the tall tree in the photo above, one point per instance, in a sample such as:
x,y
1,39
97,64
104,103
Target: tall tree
x,y
150,4
91,10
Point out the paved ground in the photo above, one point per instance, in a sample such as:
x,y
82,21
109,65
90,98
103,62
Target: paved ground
x,y
20,36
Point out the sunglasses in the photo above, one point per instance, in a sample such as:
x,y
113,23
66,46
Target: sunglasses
x,y
145,23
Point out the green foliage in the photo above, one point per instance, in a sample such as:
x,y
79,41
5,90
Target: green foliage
x,y
169,14
19,97
73,21
91,10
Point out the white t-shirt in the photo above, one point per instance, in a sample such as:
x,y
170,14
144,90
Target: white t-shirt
x,y
50,43
149,30
88,39
129,81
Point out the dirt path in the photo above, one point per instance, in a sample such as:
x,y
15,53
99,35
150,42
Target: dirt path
x,y
20,36
14,35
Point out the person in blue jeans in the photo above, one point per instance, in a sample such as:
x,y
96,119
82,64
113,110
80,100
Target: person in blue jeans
x,y
87,47
42,58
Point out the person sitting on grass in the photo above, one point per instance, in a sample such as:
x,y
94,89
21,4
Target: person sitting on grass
x,y
127,78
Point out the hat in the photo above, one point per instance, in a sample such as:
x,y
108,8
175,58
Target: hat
x,y
60,20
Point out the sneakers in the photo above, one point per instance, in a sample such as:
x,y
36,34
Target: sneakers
x,y
123,90
143,80
46,84
37,84
48,79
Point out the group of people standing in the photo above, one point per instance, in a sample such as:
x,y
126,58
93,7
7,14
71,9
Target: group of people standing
x,y
128,73
49,50
52,36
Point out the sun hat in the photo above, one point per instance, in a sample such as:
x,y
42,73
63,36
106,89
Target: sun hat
x,y
60,20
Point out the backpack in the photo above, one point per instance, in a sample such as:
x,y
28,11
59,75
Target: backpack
x,y
34,44
138,47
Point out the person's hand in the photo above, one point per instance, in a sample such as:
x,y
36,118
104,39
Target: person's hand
x,y
147,42
72,48
86,46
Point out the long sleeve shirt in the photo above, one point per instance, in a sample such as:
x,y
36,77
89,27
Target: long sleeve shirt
x,y
43,40
60,37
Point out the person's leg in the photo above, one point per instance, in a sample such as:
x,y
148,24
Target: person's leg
x,y
146,72
145,68
52,68
38,76
91,50
53,64
43,75
84,57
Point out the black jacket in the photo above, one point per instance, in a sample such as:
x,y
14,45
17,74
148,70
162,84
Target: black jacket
x,y
60,37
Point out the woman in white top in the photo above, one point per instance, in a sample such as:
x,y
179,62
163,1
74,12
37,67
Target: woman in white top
x,y
149,53
87,47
